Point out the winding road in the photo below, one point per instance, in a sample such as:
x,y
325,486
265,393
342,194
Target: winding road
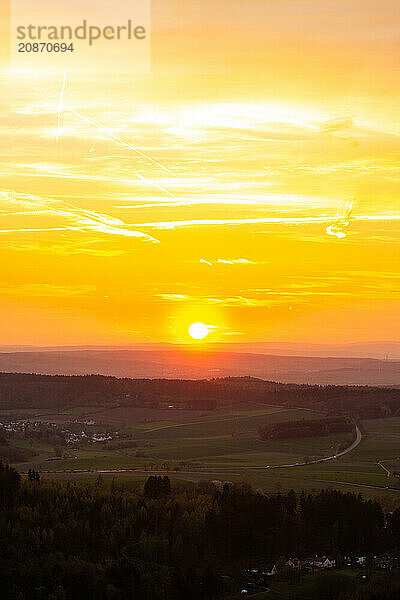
x,y
210,471
327,458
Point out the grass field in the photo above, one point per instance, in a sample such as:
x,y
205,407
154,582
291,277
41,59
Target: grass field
x,y
224,444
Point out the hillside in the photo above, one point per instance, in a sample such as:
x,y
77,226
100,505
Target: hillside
x,y
189,364
18,391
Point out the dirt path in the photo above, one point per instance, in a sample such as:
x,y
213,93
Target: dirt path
x,y
231,418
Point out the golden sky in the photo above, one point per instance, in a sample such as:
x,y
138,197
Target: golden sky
x,y
250,181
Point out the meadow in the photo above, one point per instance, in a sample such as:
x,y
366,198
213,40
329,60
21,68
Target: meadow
x,y
221,444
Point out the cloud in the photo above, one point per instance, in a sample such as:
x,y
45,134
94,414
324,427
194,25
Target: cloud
x,y
302,220
225,261
337,124
339,229
45,290
66,248
173,296
77,219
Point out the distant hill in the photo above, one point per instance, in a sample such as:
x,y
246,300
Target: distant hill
x,y
20,391
190,364
382,350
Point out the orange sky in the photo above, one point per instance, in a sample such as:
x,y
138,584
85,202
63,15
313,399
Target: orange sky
x,y
267,207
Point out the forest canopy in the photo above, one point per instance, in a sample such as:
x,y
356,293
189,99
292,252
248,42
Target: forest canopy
x,y
69,541
305,428
58,391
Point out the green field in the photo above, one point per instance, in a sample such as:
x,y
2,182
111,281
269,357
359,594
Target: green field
x,y
224,444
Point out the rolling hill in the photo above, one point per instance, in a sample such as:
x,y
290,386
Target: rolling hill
x,y
188,364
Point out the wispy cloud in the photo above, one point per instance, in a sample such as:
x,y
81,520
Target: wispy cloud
x,y
79,219
66,248
339,228
45,290
225,261
303,220
173,296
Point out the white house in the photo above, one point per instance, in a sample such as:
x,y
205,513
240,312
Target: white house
x,y
294,563
324,562
270,570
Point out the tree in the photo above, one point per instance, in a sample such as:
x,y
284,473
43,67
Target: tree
x,y
281,568
112,593
10,481
166,486
151,487
34,475
157,487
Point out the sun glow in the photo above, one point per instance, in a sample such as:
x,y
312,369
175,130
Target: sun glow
x,y
202,203
198,331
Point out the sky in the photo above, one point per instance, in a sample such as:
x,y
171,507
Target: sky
x,y
249,181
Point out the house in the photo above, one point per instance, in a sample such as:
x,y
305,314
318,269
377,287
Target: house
x,y
361,561
324,562
269,570
385,562
250,577
294,563
308,564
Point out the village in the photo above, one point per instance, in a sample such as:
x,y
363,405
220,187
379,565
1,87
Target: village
x,y
255,579
77,432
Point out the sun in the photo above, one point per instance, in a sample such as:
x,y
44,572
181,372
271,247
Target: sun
x,y
198,331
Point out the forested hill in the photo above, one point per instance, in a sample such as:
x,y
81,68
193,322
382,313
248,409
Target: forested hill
x,y
65,541
178,363
57,391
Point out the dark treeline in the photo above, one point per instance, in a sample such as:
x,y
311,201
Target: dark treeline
x,y
305,428
65,541
58,391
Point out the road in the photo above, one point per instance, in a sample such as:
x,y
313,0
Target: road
x,y
382,466
362,485
194,475
217,471
254,595
327,458
190,475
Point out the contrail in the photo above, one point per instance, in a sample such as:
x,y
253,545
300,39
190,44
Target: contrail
x,y
159,187
266,220
261,220
110,132
118,139
60,107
